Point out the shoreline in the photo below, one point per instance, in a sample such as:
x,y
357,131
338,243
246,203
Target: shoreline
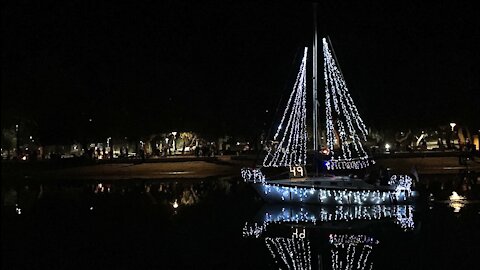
x,y
183,167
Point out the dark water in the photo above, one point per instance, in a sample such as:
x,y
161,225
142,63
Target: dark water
x,y
222,224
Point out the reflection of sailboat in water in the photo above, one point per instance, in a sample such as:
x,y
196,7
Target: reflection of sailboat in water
x,y
292,253
347,251
330,217
293,233
351,251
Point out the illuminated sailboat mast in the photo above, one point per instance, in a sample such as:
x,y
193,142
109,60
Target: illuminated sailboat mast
x,y
314,85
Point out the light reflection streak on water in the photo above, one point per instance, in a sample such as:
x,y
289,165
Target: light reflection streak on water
x,y
457,202
95,196
401,215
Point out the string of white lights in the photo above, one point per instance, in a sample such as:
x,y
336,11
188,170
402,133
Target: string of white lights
x,y
341,84
294,252
292,143
254,230
329,66
252,175
297,144
344,250
291,133
344,126
401,215
328,110
350,256
337,103
343,213
352,131
343,92
339,123
351,104
336,196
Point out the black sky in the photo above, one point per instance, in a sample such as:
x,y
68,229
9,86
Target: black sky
x,y
217,66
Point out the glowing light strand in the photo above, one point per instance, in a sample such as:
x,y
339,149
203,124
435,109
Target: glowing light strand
x,y
340,92
289,152
293,252
347,98
252,175
343,119
292,130
345,246
254,230
338,99
337,196
328,109
402,214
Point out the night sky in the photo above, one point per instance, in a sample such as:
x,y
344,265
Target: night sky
x,y
217,67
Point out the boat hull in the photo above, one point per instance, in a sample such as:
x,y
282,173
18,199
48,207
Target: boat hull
x,y
298,193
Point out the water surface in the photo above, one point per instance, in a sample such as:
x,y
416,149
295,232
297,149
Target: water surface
x,y
220,223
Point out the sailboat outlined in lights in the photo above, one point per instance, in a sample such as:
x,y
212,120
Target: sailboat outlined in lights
x,y
344,151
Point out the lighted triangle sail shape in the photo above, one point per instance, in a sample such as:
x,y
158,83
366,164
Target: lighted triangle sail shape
x,y
345,130
289,146
344,127
290,253
352,251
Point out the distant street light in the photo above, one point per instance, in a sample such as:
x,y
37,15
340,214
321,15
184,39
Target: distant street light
x,y
452,125
387,147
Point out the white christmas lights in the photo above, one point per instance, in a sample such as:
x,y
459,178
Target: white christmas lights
x,y
401,215
305,194
344,126
254,230
292,253
252,175
339,239
402,183
291,133
404,217
344,251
